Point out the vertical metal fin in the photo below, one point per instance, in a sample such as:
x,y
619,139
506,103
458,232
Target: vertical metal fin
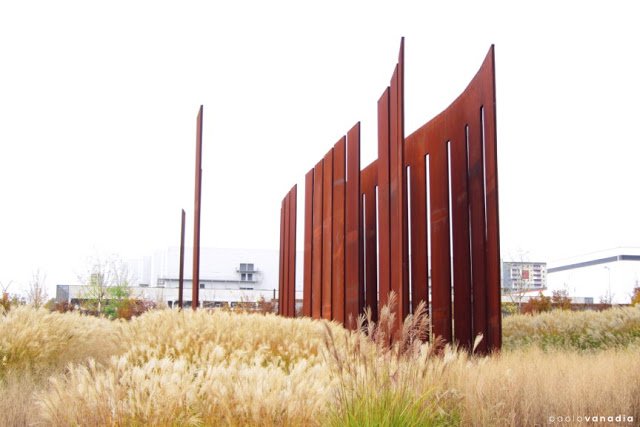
x,y
195,288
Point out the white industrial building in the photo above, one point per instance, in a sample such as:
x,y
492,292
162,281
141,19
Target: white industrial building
x,y
227,277
609,275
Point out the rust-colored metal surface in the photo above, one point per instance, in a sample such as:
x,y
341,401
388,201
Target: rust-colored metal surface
x,y
285,254
368,178
440,244
316,262
462,164
353,261
195,288
460,237
421,220
399,264
327,235
338,237
291,255
283,231
286,282
419,230
181,268
308,244
487,88
384,231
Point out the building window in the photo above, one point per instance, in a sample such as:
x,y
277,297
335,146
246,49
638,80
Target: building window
x,y
201,285
246,267
246,277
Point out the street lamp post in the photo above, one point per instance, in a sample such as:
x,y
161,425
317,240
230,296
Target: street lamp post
x,y
609,298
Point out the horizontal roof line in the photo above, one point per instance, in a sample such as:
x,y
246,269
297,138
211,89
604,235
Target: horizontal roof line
x,y
594,262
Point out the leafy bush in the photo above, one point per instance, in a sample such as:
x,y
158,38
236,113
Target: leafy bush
x,y
132,307
509,308
6,302
538,304
560,299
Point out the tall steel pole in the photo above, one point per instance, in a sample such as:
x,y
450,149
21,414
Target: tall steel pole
x,y
196,215
181,276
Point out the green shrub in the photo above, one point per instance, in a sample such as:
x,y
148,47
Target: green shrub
x,y
387,408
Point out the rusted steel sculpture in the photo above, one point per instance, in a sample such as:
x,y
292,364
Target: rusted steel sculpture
x,y
287,282
181,268
195,289
421,220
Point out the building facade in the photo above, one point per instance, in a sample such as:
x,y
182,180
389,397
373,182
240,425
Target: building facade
x,y
607,276
227,277
521,276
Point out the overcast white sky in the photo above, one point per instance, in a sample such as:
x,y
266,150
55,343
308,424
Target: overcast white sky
x,y
98,103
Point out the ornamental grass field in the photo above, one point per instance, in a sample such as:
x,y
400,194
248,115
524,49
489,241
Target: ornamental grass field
x,y
169,367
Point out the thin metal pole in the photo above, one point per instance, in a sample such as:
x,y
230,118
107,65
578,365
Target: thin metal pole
x,y
196,215
181,276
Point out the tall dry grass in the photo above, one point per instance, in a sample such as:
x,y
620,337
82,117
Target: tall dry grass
x,y
172,367
17,401
518,387
582,330
526,387
36,340
201,368
35,344
385,382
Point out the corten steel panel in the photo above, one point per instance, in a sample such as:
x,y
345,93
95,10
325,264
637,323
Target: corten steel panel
x,y
354,262
308,245
484,233
477,224
398,196
316,263
493,226
467,217
370,253
283,232
460,227
291,289
181,273
195,291
419,234
384,236
338,239
440,248
327,235
286,266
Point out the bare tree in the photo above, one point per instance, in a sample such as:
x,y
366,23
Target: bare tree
x,y
607,298
5,287
37,293
105,278
519,286
5,302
